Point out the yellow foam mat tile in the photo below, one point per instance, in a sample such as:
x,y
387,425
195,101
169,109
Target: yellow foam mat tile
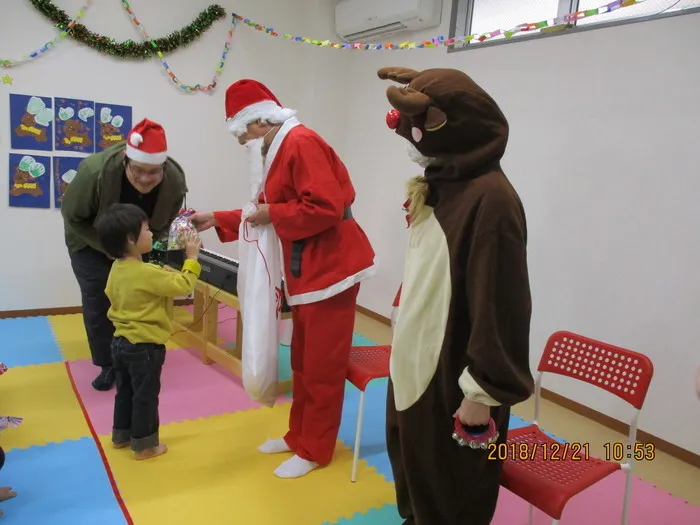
x,y
69,332
212,470
44,397
70,335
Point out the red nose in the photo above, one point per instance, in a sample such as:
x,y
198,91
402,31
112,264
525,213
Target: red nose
x,y
392,119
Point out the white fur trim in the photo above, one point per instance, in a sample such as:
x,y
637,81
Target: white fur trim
x,y
135,139
265,110
473,391
332,290
288,125
145,158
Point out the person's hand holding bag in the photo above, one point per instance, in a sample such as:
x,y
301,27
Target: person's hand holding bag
x,y
203,220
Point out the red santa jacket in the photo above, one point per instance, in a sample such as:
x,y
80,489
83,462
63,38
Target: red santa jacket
x,y
308,188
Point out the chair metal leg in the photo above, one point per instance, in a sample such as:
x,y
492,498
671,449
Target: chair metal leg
x,y
628,494
531,515
555,522
358,435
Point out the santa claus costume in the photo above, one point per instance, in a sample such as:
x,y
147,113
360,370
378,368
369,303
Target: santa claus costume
x,y
325,255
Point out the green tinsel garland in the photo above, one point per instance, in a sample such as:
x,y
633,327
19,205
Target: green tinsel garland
x,y
131,49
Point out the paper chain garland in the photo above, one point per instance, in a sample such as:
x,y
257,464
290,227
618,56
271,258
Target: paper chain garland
x,y
130,49
187,88
441,40
49,45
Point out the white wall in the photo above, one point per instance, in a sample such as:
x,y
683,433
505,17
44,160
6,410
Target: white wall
x,y
213,160
604,153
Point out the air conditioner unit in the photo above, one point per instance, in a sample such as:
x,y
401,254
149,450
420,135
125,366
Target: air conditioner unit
x,y
368,20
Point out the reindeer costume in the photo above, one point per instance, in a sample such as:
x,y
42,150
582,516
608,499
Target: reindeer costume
x,y
463,321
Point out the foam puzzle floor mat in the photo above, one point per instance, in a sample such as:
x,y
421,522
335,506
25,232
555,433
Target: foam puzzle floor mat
x,y
61,463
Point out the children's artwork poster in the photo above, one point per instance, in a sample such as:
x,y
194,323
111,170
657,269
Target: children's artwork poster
x,y
75,125
113,124
64,170
30,181
31,122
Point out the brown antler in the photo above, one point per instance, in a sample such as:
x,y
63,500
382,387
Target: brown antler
x,y
408,101
403,75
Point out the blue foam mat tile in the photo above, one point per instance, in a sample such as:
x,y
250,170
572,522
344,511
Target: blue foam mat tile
x,y
28,341
284,363
386,515
361,340
517,422
59,484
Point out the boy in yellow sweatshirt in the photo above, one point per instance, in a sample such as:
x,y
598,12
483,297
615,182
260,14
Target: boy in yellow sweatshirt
x,y
139,293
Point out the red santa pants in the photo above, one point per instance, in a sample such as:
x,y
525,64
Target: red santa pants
x,y
321,341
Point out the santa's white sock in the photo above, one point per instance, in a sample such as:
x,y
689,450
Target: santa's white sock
x,y
295,467
274,446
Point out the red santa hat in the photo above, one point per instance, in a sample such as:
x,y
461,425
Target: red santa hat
x,y
146,143
249,101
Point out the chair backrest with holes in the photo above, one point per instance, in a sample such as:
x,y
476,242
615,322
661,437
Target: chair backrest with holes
x,y
622,372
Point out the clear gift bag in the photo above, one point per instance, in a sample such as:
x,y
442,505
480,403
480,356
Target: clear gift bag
x,y
180,230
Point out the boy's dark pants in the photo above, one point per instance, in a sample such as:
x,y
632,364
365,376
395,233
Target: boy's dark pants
x,y
137,369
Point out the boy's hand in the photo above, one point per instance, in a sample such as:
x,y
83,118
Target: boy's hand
x,y
192,245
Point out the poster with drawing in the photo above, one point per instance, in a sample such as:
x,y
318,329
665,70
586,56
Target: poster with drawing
x,y
64,170
30,181
113,124
75,125
31,123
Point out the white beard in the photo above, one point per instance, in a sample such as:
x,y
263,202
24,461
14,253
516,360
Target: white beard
x,y
417,157
255,166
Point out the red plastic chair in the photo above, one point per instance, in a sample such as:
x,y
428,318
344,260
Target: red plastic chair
x,y
549,483
366,364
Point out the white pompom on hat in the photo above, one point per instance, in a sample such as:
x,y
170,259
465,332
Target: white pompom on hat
x,y
146,143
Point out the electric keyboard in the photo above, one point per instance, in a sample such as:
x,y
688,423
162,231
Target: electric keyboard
x,y
217,270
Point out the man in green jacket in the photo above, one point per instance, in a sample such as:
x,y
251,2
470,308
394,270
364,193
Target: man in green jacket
x,y
136,172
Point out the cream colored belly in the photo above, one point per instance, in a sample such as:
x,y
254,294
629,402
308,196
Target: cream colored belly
x,y
423,312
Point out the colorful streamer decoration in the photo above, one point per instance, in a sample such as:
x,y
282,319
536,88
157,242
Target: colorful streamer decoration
x,y
446,42
209,88
5,63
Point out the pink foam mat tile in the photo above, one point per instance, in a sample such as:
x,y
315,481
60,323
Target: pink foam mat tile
x,y
190,390
602,505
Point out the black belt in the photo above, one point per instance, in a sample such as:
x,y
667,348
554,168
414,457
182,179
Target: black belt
x,y
298,248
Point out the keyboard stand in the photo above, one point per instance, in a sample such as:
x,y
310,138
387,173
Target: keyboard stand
x,y
202,330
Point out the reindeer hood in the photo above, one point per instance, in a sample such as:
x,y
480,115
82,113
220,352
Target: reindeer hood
x,y
447,116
